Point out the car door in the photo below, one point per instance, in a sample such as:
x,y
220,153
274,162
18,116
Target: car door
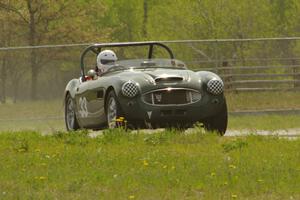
x,y
90,104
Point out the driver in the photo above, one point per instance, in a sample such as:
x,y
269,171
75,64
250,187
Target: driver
x,y
105,60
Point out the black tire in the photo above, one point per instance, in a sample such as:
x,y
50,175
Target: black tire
x,y
114,116
70,114
218,123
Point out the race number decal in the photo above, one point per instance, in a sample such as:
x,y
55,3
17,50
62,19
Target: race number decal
x,y
83,111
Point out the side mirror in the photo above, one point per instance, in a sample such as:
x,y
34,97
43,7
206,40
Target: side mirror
x,y
92,74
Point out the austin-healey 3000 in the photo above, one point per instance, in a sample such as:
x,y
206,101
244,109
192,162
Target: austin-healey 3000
x,y
145,93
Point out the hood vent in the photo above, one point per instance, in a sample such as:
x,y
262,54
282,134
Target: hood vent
x,y
168,79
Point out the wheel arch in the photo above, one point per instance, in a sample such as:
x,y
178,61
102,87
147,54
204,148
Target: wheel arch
x,y
65,97
71,88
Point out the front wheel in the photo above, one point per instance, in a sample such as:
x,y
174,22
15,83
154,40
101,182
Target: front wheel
x,y
218,123
70,115
113,111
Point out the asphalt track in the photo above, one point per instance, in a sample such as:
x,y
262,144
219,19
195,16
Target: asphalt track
x,y
282,133
285,133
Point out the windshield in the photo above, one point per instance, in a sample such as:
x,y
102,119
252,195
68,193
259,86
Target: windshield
x,y
151,63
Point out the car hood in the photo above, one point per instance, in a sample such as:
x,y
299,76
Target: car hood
x,y
157,75
167,73
156,78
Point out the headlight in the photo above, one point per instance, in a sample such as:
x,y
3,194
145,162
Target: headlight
x,y
130,89
215,86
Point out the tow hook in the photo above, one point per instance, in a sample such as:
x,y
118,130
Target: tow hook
x,y
215,101
130,103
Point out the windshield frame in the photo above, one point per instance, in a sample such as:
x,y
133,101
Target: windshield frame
x,y
96,48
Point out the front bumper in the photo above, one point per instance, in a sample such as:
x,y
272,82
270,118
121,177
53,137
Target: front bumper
x,y
136,110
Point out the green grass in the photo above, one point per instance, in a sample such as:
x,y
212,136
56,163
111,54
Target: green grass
x,y
46,116
46,125
264,122
166,165
262,100
29,109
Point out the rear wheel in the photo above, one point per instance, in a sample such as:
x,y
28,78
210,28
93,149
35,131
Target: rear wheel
x,y
113,111
218,123
70,115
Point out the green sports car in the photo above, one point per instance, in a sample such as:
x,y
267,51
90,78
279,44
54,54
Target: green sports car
x,y
145,93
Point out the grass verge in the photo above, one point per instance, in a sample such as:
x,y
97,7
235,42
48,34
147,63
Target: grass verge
x,y
166,165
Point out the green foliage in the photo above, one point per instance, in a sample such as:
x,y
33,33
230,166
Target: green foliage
x,y
114,135
122,20
156,139
73,138
238,144
21,145
61,22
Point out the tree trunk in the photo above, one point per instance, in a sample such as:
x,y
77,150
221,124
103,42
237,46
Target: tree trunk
x,y
33,56
145,21
5,60
296,76
34,75
16,90
3,81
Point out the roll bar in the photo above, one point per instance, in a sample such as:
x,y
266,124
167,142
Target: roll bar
x,y
96,48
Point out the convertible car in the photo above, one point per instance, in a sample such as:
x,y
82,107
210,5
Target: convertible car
x,y
145,93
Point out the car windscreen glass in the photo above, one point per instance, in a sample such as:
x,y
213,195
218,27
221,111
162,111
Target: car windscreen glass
x,y
152,63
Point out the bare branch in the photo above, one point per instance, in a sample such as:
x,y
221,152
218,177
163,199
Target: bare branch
x,y
12,9
199,51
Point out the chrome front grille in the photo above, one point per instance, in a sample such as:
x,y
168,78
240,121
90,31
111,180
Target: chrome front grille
x,y
171,96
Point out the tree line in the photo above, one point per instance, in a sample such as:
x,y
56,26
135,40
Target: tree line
x,y
36,22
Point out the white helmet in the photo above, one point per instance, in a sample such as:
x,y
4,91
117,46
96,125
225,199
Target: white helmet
x,y
105,60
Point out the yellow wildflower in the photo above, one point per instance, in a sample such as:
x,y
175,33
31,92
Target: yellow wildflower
x,y
131,197
119,120
145,163
234,196
165,166
232,166
43,178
